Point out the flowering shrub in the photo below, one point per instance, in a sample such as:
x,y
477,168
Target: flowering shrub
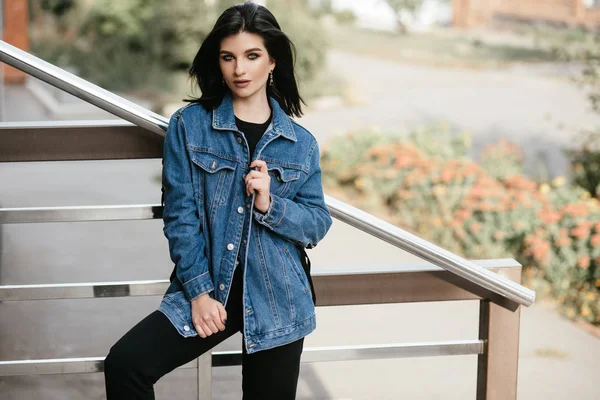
x,y
553,230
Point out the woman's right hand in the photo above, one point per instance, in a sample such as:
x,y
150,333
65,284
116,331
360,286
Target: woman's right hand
x,y
208,315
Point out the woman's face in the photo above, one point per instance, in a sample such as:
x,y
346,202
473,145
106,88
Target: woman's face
x,y
245,64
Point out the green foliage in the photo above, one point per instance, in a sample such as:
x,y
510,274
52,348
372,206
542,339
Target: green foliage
x,y
438,139
400,7
344,17
57,7
502,160
308,37
587,51
140,45
585,162
403,6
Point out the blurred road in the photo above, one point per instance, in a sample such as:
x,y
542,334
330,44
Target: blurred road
x,y
536,107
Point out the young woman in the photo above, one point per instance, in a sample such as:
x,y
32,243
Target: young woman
x,y
243,198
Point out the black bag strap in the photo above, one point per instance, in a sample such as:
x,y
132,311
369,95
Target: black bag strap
x,y
306,266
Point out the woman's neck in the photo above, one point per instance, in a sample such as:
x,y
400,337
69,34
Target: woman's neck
x,y
253,109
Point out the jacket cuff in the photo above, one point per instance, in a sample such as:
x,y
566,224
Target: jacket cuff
x,y
274,214
198,286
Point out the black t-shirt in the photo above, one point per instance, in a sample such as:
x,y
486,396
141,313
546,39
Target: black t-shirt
x,y
253,132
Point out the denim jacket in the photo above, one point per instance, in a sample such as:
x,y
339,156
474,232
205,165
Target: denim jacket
x,y
210,223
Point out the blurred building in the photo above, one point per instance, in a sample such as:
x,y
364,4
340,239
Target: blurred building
x,y
470,13
15,20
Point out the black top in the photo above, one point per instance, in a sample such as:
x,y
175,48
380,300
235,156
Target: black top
x,y
253,132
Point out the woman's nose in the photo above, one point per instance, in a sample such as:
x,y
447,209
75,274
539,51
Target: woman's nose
x,y
239,69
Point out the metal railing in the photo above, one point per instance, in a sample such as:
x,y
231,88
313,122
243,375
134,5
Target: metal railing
x,y
500,296
498,287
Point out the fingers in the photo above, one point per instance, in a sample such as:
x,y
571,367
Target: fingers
x,y
257,181
222,313
201,331
211,323
260,165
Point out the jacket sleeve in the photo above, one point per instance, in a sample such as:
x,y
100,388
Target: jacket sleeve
x,y
305,219
182,225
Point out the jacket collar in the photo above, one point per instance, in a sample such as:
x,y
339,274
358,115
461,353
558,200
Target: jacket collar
x,y
224,118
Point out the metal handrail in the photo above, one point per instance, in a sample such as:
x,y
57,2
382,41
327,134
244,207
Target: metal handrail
x,y
82,89
131,112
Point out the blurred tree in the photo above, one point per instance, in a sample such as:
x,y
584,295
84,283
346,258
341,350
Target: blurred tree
x,y
57,7
140,45
306,33
402,7
585,155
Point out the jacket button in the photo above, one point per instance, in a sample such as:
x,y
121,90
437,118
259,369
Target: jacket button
x,y
222,286
230,246
186,328
240,210
239,139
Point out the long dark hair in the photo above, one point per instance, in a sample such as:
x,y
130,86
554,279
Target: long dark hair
x,y
253,18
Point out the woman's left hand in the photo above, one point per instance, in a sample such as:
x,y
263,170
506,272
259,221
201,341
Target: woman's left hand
x,y
258,182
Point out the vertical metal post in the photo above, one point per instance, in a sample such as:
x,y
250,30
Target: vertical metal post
x,y
2,93
497,367
205,376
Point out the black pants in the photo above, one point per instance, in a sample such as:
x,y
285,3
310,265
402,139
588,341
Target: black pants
x,y
154,348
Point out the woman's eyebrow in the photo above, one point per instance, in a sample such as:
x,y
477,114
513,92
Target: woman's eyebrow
x,y
247,51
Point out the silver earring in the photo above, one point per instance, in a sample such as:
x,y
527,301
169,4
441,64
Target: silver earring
x,y
271,78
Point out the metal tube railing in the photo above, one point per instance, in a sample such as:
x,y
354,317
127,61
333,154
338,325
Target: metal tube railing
x,y
374,226
82,89
231,358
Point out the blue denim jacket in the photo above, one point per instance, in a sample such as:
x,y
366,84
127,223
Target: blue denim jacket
x,y
210,223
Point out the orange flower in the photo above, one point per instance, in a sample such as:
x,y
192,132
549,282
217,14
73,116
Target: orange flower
x,y
549,216
518,225
540,250
595,240
563,241
563,232
576,210
580,232
499,235
475,227
446,176
464,213
584,262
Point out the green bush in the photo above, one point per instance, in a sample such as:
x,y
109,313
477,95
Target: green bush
x,y
585,162
553,230
502,159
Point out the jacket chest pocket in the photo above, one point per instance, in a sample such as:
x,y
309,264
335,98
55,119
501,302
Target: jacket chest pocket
x,y
215,178
282,179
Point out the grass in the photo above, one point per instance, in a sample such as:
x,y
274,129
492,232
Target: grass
x,y
448,48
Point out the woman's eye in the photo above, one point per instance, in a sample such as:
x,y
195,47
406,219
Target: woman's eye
x,y
227,58
253,56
